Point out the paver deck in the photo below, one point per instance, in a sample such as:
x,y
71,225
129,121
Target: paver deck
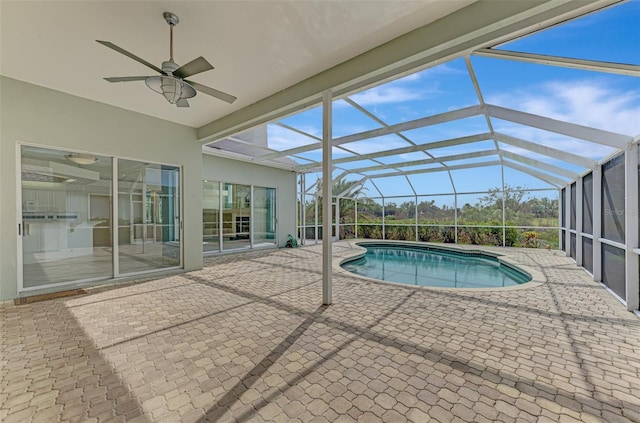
x,y
246,339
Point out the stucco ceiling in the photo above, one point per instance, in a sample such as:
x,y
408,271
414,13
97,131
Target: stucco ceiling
x,y
257,47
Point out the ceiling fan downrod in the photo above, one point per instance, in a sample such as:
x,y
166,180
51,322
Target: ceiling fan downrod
x,y
173,20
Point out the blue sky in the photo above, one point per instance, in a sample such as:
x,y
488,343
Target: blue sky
x,y
599,100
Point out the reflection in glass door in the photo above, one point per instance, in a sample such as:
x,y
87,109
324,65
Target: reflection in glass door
x,y
68,223
149,216
210,216
236,215
66,217
264,216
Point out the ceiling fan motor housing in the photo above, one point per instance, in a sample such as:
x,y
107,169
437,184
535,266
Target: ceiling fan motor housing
x,y
171,87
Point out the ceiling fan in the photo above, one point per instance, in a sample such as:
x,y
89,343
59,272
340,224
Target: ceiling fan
x,y
171,82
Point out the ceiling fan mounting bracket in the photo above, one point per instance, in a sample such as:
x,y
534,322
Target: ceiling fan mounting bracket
x,y
171,18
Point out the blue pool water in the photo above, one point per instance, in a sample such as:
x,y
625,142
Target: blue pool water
x,y
424,266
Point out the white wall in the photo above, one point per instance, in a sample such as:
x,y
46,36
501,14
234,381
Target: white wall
x,y
240,172
37,115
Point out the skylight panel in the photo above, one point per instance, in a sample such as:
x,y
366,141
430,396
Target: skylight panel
x,y
542,158
597,100
610,35
377,144
435,90
462,148
469,180
402,158
348,120
281,138
559,142
515,178
316,155
448,130
357,164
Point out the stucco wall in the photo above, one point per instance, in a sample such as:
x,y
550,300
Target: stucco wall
x,y
239,172
40,116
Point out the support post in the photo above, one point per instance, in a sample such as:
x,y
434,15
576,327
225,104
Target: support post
x,y
315,222
416,197
337,218
579,223
327,185
597,224
631,227
567,213
356,216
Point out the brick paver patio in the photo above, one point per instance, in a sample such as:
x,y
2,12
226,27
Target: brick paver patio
x,y
246,339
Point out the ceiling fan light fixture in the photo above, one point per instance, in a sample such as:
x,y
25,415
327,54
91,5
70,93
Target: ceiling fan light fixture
x,y
172,88
82,159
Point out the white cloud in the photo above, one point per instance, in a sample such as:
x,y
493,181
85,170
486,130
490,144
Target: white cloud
x,y
586,102
387,94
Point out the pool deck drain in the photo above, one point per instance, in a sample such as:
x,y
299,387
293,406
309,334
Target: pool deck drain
x,y
246,339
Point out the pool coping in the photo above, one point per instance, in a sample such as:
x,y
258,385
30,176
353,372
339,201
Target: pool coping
x,y
537,277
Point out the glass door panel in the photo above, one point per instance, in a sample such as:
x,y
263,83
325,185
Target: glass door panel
x,y
66,217
210,216
236,215
264,216
151,194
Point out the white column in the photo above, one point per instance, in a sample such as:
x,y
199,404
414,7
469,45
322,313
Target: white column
x,y
251,240
631,226
303,198
327,185
315,221
567,215
338,218
416,211
356,216
597,223
115,236
579,225
560,211
383,219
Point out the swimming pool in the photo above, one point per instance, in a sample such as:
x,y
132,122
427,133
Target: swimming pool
x,y
436,267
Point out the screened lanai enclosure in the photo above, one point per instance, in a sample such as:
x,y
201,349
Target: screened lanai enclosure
x,y
531,143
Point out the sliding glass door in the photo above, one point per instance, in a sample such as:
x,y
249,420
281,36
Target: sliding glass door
x,y
264,215
70,217
66,217
210,216
245,214
149,216
236,215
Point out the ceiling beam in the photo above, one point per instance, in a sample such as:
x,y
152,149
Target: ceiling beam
x,y
386,130
481,24
413,148
440,160
565,62
551,180
546,151
541,165
439,169
573,130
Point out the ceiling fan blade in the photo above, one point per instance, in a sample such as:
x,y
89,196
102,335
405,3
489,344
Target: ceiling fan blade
x,y
193,67
212,92
126,78
130,55
182,103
